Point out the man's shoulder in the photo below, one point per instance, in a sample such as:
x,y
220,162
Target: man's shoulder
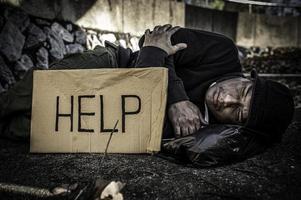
x,y
202,35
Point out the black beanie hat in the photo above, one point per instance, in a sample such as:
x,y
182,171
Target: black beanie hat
x,y
272,108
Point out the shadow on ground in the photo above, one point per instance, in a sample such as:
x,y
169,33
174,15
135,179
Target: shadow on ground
x,y
275,174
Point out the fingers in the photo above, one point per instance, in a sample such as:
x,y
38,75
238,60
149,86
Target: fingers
x,y
147,32
157,28
191,129
166,27
197,125
179,47
172,30
184,130
177,130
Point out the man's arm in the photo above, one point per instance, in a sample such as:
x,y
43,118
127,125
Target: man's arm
x,y
157,50
150,56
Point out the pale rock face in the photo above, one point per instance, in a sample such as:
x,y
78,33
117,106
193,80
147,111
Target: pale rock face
x,y
57,46
122,43
92,41
107,37
42,58
23,65
62,32
134,43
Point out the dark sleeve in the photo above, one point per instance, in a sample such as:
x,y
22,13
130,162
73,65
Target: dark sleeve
x,y
156,57
205,51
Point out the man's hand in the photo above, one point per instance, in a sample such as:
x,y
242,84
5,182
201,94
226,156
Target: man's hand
x,y
185,117
160,37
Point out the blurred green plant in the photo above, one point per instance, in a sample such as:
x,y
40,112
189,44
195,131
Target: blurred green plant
x,y
217,4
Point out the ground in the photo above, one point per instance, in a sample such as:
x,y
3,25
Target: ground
x,y
274,174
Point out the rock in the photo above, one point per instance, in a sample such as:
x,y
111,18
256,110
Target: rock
x,y
35,36
17,17
122,43
23,65
80,37
107,37
11,42
42,22
57,46
46,45
69,27
134,43
92,41
74,48
1,88
62,32
42,58
7,78
2,21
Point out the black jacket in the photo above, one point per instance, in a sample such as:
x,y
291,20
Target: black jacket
x,y
208,57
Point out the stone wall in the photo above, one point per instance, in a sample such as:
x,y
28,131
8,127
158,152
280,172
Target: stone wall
x,y
27,41
268,30
211,20
124,16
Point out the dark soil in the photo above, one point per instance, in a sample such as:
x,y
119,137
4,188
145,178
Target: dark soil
x,y
275,174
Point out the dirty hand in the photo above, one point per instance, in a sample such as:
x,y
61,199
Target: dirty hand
x,y
185,117
160,37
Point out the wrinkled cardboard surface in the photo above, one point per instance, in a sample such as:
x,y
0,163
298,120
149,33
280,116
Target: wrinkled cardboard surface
x,y
142,130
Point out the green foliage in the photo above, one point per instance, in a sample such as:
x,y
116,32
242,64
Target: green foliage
x,y
217,4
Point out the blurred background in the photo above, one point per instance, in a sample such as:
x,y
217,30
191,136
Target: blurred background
x,y
36,33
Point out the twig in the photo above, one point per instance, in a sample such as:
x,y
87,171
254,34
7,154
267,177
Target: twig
x,y
80,193
106,150
21,189
249,172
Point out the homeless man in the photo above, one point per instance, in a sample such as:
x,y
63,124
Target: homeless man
x,y
206,85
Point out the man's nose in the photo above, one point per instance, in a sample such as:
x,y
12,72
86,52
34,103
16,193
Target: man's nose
x,y
230,101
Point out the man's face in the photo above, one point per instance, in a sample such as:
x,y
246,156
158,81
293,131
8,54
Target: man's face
x,y
229,100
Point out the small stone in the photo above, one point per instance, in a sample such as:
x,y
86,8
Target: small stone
x,y
57,46
42,58
80,37
17,17
35,36
23,65
11,42
62,32
7,78
74,48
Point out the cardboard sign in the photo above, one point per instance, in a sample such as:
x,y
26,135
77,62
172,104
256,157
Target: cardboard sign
x,y
76,110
